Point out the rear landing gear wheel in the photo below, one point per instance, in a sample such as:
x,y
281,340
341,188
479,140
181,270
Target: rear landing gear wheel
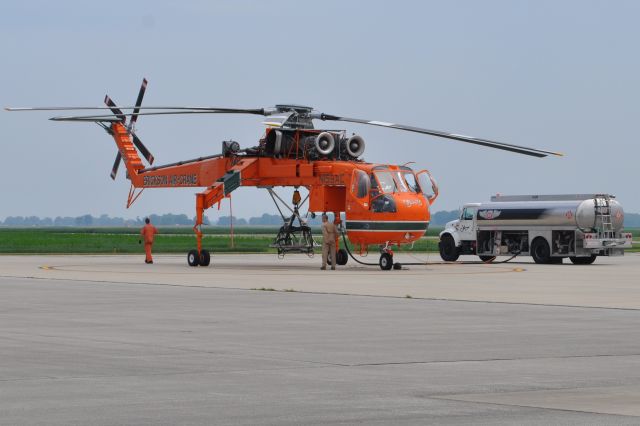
x,y
583,260
386,261
193,259
205,258
342,257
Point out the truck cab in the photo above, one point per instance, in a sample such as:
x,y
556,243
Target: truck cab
x,y
459,236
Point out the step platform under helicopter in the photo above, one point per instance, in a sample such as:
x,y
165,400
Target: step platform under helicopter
x,y
294,236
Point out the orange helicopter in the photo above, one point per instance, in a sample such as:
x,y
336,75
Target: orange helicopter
x,y
384,205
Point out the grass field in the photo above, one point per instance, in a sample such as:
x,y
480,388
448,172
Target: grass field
x,y
170,240
125,240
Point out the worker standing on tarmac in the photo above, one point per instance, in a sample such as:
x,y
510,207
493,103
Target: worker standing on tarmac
x,y
329,235
147,232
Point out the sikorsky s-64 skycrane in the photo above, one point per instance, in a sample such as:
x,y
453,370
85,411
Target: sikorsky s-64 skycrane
x,y
384,205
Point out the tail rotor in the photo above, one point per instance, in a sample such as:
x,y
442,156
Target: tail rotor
x,y
130,126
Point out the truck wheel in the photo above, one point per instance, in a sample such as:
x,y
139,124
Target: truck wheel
x,y
487,259
448,250
342,257
192,258
540,251
205,258
556,260
583,260
386,261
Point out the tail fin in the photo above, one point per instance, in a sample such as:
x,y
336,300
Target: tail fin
x,y
130,131
126,150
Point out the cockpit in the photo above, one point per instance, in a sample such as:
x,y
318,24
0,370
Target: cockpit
x,y
383,183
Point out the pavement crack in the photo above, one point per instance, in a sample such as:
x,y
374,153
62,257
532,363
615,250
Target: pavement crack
x,y
452,361
416,298
535,407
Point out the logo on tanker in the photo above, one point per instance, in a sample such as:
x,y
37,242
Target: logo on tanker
x,y
489,214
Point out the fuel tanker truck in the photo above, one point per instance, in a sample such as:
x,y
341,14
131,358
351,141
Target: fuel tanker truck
x,y
548,228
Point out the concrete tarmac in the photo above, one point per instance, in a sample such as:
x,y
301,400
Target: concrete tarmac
x,y
110,340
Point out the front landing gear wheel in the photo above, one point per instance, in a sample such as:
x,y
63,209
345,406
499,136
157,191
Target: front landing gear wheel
x,y
193,259
386,261
205,258
487,259
342,257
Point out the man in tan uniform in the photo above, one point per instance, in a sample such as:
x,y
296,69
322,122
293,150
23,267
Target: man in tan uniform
x,y
329,234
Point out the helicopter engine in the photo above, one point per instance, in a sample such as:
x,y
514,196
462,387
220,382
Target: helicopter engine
x,y
283,143
324,143
352,147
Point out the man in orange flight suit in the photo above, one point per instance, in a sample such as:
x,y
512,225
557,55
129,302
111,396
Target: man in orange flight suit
x,y
147,232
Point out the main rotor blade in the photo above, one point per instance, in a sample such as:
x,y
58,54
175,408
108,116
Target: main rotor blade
x,y
469,139
255,111
143,149
112,106
116,164
104,118
101,117
136,110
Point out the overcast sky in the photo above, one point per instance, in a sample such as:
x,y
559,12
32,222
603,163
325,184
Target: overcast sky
x,y
558,75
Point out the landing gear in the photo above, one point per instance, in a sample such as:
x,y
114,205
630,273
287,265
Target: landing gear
x,y
205,258
386,261
583,260
342,257
193,258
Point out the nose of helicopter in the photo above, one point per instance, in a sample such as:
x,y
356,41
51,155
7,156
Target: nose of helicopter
x,y
413,211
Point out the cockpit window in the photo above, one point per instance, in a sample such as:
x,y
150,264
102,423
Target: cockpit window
x,y
360,184
387,184
401,184
410,179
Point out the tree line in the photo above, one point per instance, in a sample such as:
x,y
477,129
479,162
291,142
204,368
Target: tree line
x,y
631,220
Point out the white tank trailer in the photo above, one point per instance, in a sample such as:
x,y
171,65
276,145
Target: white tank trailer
x,y
547,227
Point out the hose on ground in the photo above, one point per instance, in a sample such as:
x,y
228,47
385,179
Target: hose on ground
x,y
466,262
